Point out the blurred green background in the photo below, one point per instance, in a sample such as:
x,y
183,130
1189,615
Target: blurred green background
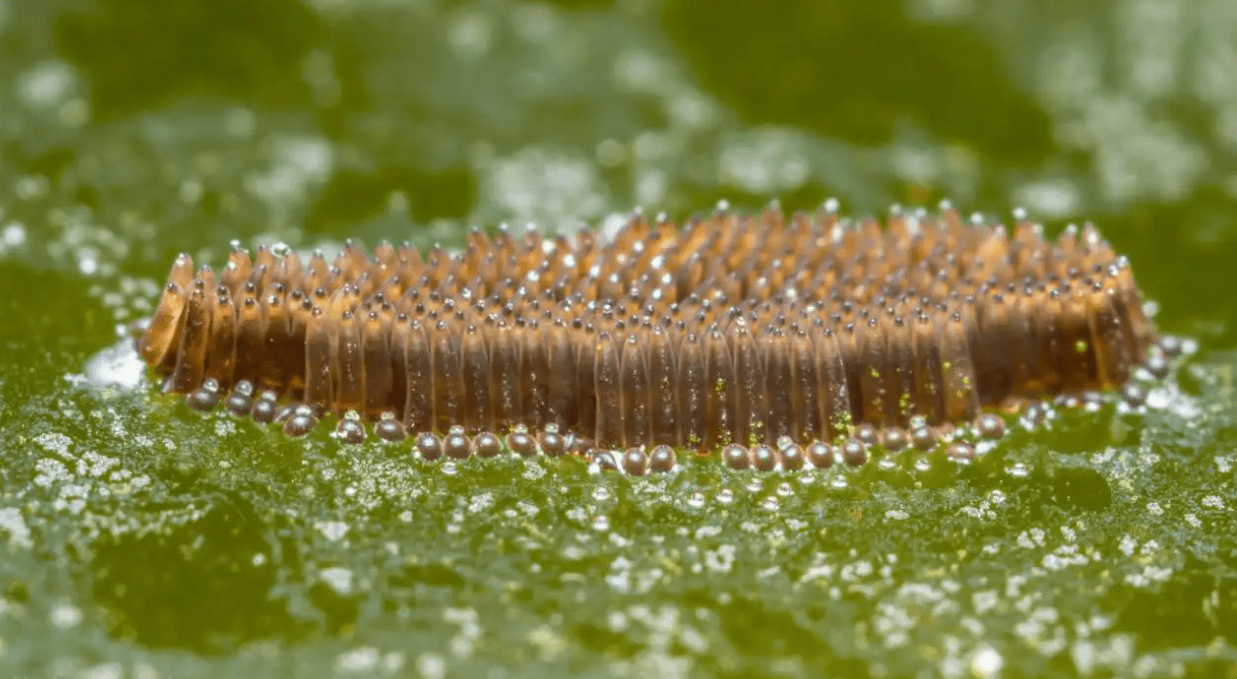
x,y
138,539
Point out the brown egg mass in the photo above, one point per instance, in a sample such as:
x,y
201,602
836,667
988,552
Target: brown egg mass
x,y
735,329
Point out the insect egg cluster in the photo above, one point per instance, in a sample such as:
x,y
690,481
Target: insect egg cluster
x,y
771,341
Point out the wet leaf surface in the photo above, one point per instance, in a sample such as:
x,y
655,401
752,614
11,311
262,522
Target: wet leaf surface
x,y
140,538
